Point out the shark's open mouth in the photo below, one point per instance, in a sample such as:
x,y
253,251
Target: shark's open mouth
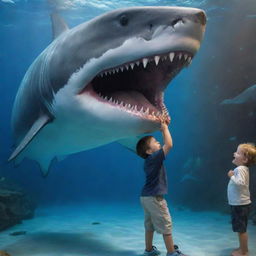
x,y
137,87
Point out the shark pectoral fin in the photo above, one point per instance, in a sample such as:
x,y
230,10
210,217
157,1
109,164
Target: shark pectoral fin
x,y
130,142
58,25
36,127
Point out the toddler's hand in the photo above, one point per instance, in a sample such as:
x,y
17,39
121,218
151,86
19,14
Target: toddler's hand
x,y
231,173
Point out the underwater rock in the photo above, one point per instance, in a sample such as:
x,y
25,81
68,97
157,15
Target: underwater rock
x,y
3,253
15,205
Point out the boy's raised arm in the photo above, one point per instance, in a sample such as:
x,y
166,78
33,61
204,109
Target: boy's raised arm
x,y
167,138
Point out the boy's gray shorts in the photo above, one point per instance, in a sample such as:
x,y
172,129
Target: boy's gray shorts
x,y
157,216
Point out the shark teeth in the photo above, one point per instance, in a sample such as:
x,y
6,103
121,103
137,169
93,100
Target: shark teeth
x,y
157,58
135,109
157,111
145,62
171,56
183,57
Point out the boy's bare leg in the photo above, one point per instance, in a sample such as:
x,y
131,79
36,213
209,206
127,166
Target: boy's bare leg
x,y
149,240
169,243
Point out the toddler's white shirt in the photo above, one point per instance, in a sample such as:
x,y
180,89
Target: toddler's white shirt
x,y
238,187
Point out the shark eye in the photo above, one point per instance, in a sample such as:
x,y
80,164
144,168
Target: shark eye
x,y
124,20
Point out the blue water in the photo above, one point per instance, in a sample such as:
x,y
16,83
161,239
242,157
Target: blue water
x,y
205,134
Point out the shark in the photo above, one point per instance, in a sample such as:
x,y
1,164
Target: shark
x,y
102,81
246,97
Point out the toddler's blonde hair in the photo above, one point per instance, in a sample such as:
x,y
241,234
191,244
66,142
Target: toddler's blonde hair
x,y
249,151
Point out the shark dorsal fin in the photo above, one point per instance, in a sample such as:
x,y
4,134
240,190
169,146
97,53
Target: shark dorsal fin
x,y
58,25
36,127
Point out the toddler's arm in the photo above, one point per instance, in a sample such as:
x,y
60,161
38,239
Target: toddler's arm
x,y
230,173
238,177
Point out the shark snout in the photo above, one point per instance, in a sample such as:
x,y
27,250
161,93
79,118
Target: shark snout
x,y
201,17
198,17
190,23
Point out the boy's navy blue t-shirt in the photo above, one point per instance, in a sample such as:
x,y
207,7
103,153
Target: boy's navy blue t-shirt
x,y
156,179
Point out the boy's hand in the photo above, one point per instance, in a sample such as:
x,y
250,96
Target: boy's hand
x,y
164,123
166,137
231,173
167,120
163,126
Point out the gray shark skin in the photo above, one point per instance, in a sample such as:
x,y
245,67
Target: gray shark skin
x,y
102,81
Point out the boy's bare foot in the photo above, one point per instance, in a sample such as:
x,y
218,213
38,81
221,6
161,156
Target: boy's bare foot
x,y
237,252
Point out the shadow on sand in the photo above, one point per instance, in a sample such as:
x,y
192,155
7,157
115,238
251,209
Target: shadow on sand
x,y
69,244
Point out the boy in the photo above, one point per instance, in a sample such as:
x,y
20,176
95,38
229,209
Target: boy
x,y
157,216
239,194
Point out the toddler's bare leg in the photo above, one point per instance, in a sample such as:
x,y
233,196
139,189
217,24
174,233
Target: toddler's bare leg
x,y
243,241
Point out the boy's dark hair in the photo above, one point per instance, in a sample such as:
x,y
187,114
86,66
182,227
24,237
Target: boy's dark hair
x,y
142,146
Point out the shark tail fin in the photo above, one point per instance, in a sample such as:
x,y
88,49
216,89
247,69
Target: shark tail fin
x,y
58,25
36,127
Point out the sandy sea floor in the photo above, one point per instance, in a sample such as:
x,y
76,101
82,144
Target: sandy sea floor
x,y
117,229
